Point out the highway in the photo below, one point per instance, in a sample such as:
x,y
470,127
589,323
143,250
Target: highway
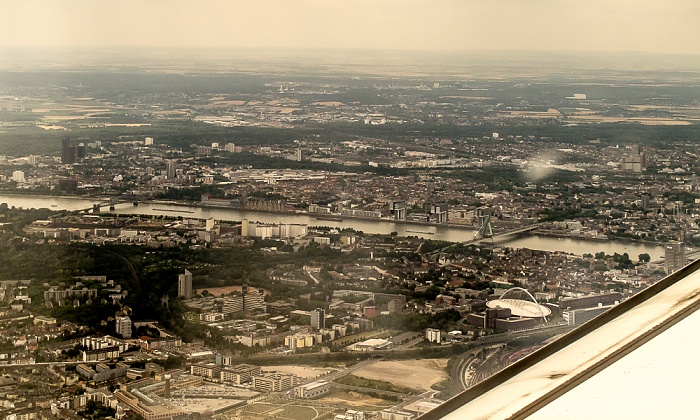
x,y
410,400
461,372
461,368
493,363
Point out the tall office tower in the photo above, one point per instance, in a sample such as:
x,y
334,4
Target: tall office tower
x,y
80,152
184,285
230,147
170,169
675,256
318,318
67,151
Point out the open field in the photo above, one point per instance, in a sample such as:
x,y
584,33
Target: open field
x,y
381,385
260,408
418,374
355,400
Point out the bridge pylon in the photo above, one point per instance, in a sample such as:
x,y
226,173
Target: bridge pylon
x,y
485,231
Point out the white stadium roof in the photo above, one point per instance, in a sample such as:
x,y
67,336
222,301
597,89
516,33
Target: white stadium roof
x,y
519,307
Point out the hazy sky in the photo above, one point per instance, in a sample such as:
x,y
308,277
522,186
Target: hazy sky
x,y
578,25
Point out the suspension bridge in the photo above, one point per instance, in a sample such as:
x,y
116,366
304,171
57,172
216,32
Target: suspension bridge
x,y
485,231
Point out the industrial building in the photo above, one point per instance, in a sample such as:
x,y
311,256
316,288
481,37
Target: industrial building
x,y
313,389
580,316
590,301
371,344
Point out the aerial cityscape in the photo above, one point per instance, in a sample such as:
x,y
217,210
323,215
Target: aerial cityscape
x,y
360,233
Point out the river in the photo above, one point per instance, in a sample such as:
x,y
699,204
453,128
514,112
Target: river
x,y
445,233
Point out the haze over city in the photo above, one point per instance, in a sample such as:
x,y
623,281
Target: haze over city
x,y
668,27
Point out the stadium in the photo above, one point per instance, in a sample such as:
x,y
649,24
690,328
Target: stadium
x,y
515,300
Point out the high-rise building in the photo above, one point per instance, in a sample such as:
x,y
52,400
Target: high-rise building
x,y
398,210
318,318
67,151
166,390
635,160
123,326
148,141
230,147
18,176
433,335
170,169
438,213
674,256
184,285
80,152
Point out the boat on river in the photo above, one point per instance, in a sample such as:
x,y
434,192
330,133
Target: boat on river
x,y
330,218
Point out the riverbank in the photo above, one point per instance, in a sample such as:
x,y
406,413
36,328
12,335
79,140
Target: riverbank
x,y
199,204
551,234
443,232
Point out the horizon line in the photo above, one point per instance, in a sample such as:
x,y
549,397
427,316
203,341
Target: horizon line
x,y
333,49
